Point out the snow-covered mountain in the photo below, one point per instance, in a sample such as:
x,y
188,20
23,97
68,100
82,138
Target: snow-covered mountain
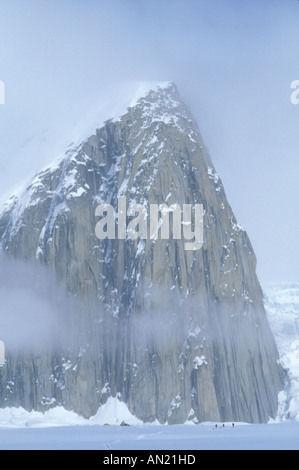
x,y
282,307
175,334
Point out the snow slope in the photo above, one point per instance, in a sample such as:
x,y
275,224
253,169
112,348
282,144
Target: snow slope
x,y
282,306
113,413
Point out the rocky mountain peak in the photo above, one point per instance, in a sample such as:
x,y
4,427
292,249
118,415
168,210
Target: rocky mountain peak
x,y
177,335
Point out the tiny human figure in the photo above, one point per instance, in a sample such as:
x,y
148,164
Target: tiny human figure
x,y
216,426
233,425
223,425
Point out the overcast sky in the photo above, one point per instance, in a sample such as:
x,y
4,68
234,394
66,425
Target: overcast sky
x,y
64,62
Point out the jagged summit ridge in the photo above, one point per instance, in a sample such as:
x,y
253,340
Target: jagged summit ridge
x,y
176,335
155,105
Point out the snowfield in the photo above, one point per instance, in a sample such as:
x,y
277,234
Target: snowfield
x,y
61,429
153,437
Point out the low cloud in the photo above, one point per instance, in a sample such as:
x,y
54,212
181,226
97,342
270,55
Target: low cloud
x,y
35,312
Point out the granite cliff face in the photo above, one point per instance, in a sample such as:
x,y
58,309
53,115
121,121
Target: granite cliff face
x,y
175,334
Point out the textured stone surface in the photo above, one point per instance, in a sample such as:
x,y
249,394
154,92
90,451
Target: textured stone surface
x,y
176,334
